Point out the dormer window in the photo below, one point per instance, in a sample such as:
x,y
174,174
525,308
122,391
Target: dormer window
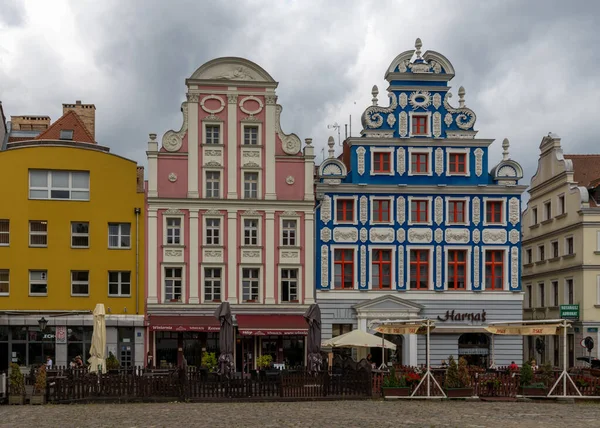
x,y
66,134
420,125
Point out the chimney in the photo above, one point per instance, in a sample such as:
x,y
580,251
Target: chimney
x,y
87,114
30,123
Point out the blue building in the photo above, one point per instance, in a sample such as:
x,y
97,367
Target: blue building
x,y
413,223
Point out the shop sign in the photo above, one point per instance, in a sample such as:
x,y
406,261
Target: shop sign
x,y
207,328
267,332
473,351
592,329
463,316
569,312
61,334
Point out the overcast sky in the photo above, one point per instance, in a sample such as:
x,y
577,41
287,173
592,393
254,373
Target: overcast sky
x,y
528,67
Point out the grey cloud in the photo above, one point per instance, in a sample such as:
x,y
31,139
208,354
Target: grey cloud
x,y
12,13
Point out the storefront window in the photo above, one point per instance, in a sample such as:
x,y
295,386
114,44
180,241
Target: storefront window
x,y
79,341
269,347
19,333
3,333
293,351
166,349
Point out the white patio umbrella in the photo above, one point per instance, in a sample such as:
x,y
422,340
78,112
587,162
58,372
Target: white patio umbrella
x,y
98,348
358,339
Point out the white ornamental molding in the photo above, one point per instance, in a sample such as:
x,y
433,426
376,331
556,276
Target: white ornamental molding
x,y
465,118
290,214
403,131
381,234
448,119
251,98
209,110
439,161
290,179
438,235
401,235
172,140
478,162
173,211
513,211
345,234
361,160
212,211
438,266
325,234
218,153
289,254
290,143
213,254
437,100
251,212
476,210
400,210
363,209
420,99
391,120
400,160
270,99
419,236
326,209
476,266
457,236
172,177
363,235
439,210
324,266
363,265
494,236
403,100
232,98
437,124
514,268
251,254
173,253
476,236
401,266
513,236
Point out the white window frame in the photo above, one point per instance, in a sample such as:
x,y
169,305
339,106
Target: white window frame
x,y
66,134
181,218
164,268
558,204
32,233
258,231
392,267
541,300
506,270
566,290
219,183
455,151
7,282
220,230
73,283
48,188
260,283
390,152
297,235
429,200
119,283
298,283
412,114
204,279
38,281
258,183
504,209
540,248
420,151
547,215
332,249
206,124
354,213
80,235
256,125
431,285
7,244
119,236
566,249
466,213
468,285
372,200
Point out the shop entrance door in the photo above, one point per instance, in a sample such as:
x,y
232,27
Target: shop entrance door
x,y
244,354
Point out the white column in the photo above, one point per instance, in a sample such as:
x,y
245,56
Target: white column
x,y
194,257
409,352
152,296
152,154
309,258
269,171
269,259
193,150
232,146
309,169
232,254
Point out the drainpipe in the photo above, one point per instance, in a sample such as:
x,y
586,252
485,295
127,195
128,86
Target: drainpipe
x,y
137,212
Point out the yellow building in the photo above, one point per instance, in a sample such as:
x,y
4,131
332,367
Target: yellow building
x,y
71,236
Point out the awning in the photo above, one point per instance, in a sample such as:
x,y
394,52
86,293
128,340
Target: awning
x,y
183,323
263,325
525,330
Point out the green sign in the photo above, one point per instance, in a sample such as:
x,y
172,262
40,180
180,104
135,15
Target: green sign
x,y
570,312
592,329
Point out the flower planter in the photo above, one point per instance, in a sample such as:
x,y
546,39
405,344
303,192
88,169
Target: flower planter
x,y
16,399
533,391
395,391
458,392
37,399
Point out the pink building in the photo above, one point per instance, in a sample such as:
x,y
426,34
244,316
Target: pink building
x,y
230,218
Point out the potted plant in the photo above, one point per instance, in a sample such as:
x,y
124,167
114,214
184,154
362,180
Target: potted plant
x,y
209,361
263,363
528,387
112,364
394,386
457,381
412,379
39,388
17,385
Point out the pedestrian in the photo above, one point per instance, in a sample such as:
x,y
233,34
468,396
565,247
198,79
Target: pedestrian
x,y
48,362
149,360
513,367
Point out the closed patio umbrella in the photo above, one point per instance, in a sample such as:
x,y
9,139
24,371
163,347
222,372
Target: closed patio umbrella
x,y
226,338
98,348
313,318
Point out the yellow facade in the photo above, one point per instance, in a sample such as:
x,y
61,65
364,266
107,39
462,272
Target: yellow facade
x,y
113,198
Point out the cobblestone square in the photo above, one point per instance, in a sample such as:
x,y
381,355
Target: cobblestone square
x,y
329,414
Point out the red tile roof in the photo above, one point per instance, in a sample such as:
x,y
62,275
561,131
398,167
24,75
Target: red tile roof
x,y
586,168
69,121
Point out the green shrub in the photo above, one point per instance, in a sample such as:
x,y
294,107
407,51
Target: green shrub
x,y
393,381
209,361
112,363
17,382
452,378
526,374
40,380
264,361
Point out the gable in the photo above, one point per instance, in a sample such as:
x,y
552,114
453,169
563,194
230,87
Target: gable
x,y
69,121
388,303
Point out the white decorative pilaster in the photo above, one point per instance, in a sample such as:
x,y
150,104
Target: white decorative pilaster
x,y
194,258
152,154
270,244
193,144
410,350
309,167
308,282
232,147
152,256
232,234
269,172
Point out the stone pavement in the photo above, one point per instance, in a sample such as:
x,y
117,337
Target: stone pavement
x,y
328,414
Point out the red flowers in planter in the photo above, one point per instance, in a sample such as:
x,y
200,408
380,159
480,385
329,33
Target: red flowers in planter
x,y
412,378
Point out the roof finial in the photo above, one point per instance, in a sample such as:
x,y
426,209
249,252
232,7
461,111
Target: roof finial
x,y
461,97
418,45
505,146
331,143
374,92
